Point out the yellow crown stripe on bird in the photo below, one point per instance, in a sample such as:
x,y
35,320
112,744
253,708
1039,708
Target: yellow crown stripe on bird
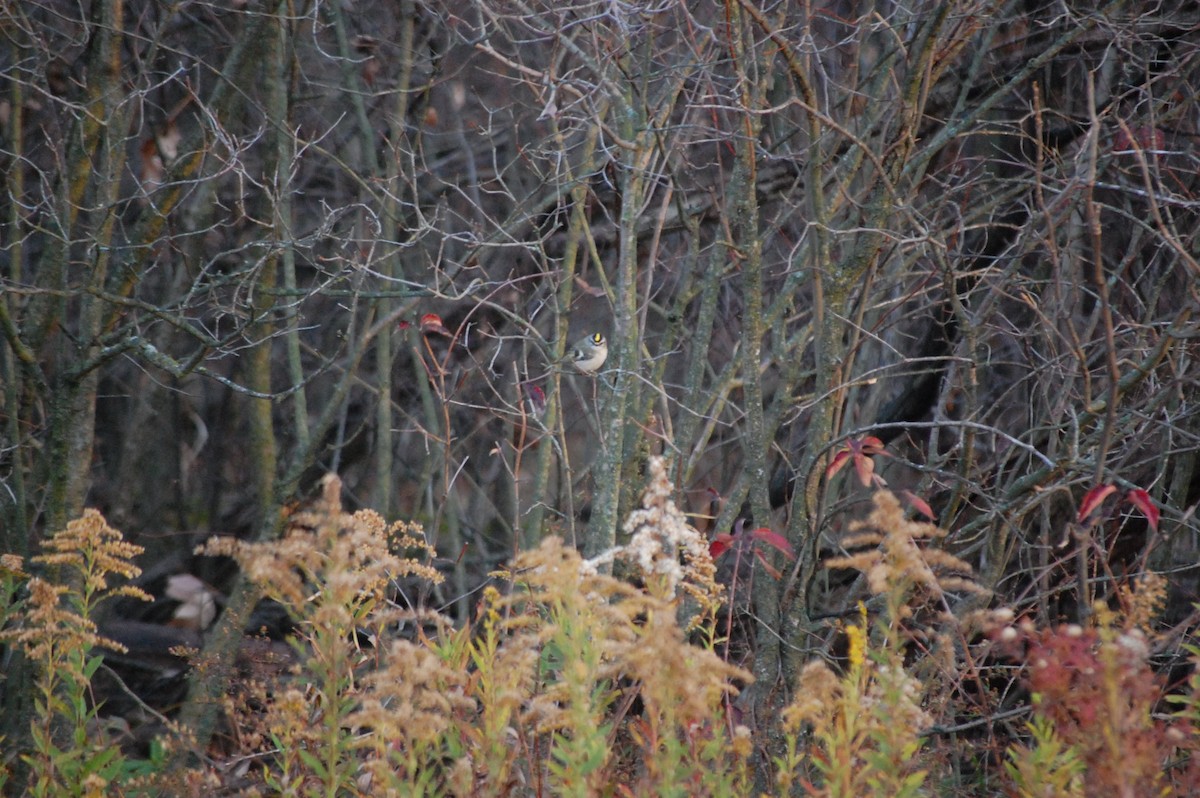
x,y
589,353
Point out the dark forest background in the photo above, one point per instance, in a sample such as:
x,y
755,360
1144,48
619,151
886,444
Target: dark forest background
x,y
246,244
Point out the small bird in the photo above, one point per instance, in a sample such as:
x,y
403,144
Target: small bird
x,y
589,353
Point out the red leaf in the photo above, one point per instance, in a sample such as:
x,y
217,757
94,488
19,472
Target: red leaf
x,y
872,445
720,544
774,572
432,323
774,540
537,399
860,450
918,504
1093,499
835,465
864,466
1141,500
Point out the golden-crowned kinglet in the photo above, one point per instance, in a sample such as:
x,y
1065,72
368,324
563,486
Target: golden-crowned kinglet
x,y
589,353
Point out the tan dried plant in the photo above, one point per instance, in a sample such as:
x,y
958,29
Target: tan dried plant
x,y
670,555
406,710
332,571
906,574
59,634
331,564
865,725
85,555
1141,601
599,638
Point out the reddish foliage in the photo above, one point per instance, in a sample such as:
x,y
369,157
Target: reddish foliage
x,y
1098,689
1093,499
1141,500
726,541
1137,497
431,323
918,504
859,451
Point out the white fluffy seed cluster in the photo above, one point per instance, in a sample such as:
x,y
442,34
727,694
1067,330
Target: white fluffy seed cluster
x,y
660,532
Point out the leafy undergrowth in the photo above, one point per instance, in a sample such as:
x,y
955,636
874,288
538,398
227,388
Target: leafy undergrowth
x,y
573,682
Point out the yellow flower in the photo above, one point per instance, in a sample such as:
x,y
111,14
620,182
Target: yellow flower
x,y
857,636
